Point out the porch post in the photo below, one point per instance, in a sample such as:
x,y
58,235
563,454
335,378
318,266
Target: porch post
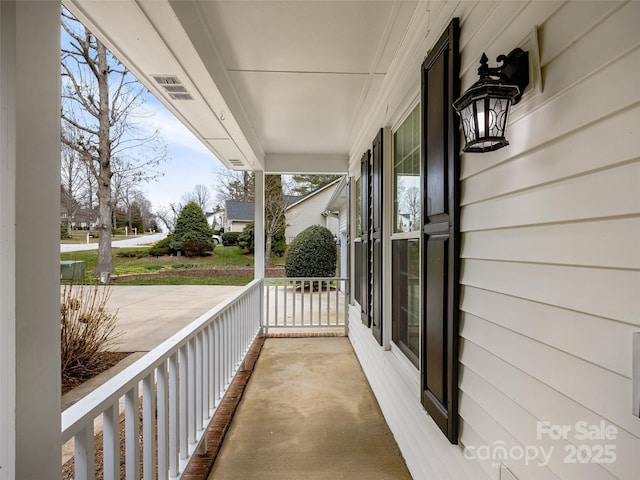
x,y
29,239
259,256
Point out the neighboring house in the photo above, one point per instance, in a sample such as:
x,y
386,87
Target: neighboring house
x,y
310,209
497,333
213,219
237,215
337,210
301,212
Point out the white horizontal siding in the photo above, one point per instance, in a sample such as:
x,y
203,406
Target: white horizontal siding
x,y
603,343
550,242
599,243
551,239
603,292
549,163
540,401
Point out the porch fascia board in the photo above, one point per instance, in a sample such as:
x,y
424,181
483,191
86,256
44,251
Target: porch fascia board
x,y
289,163
198,64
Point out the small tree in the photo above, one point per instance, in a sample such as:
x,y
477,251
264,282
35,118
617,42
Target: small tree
x,y
192,231
246,240
312,254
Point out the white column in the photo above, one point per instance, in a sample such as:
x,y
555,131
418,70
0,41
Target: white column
x,y
259,225
29,239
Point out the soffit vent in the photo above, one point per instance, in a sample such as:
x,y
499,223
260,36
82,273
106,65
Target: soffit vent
x,y
166,79
181,96
173,86
236,162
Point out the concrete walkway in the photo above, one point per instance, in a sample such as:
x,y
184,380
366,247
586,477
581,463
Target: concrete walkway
x,y
308,413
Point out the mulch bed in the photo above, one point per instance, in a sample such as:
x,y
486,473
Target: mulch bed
x,y
106,361
200,272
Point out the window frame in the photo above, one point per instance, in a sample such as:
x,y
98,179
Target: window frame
x,y
408,355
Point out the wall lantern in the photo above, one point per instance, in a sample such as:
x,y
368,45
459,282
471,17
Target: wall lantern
x,y
484,107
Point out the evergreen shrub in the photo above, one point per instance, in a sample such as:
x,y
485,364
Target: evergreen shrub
x,y
162,248
312,254
192,231
230,238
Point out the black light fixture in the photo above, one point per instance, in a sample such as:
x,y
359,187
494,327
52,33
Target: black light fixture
x,y
484,107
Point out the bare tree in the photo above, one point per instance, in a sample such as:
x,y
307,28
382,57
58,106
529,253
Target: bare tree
x,y
145,208
234,185
100,98
412,200
275,208
71,181
169,215
202,196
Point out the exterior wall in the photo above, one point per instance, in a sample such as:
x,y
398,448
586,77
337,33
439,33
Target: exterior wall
x,y
309,212
550,258
235,226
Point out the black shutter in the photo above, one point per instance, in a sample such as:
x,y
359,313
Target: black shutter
x,y
376,237
365,252
348,273
440,173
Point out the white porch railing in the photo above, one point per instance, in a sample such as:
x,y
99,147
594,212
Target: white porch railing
x,y
314,302
182,382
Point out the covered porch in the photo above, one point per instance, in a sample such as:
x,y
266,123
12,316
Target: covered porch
x,y
308,412
542,291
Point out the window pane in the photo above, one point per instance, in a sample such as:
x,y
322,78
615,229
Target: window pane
x,y
358,200
406,173
357,287
406,297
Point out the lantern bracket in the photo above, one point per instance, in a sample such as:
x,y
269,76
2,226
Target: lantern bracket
x,y
514,70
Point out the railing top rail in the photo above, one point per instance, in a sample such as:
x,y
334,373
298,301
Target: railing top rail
x,y
306,279
74,418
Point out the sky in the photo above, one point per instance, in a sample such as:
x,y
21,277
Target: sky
x,y
188,162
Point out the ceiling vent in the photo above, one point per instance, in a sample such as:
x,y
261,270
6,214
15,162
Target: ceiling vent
x,y
181,96
173,86
236,162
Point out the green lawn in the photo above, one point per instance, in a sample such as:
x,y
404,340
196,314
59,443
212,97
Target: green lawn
x,y
136,261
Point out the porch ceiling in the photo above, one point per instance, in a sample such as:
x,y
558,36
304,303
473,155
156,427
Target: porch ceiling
x,y
269,79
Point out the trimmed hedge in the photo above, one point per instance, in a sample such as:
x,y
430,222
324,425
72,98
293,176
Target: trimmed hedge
x,y
230,238
312,254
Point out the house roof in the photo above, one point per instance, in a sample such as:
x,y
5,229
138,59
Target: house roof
x,y
239,211
297,200
339,198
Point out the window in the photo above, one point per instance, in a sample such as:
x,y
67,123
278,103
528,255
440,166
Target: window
x,y
406,174
406,238
357,244
406,297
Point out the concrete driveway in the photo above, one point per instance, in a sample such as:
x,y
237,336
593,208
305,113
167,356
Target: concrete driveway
x,y
147,316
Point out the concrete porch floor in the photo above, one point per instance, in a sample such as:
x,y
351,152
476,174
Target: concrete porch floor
x,y
308,412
